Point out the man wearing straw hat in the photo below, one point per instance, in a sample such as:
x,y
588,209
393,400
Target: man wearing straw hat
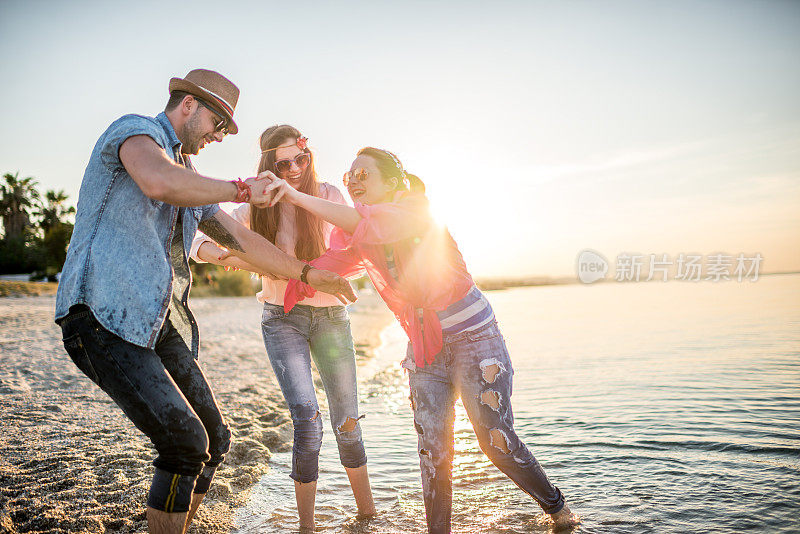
x,y
123,309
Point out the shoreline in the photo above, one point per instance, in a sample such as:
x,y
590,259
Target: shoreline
x,y
71,461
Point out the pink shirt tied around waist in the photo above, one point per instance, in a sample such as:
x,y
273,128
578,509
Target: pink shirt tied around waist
x,y
272,290
431,270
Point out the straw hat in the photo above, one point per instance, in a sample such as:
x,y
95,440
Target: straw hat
x,y
213,88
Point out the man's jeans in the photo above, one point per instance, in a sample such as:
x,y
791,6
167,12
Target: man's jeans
x,y
164,393
476,366
291,340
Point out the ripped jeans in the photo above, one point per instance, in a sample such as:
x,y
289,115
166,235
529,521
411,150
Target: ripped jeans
x,y
475,365
292,340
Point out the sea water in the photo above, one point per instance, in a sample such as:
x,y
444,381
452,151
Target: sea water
x,y
654,407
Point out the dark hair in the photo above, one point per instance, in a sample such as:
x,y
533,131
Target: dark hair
x,y
390,167
175,98
310,237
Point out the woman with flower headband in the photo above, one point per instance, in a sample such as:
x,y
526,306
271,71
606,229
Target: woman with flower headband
x,y
318,329
455,347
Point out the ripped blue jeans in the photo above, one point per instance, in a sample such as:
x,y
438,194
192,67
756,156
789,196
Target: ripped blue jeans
x,y
476,366
292,340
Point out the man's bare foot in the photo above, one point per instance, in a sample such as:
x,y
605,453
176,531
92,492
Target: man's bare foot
x,y
564,519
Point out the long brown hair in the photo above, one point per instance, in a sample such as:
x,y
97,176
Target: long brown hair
x,y
310,242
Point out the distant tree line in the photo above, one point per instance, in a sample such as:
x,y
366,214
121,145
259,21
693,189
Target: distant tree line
x,y
36,228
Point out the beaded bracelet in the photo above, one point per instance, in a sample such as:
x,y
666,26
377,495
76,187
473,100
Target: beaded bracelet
x,y
243,192
304,274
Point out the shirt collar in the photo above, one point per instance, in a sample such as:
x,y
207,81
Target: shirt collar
x,y
174,142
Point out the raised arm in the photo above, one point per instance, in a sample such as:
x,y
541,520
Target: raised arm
x,y
266,257
337,214
406,216
160,178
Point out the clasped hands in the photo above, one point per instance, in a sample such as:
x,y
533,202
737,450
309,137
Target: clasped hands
x,y
266,190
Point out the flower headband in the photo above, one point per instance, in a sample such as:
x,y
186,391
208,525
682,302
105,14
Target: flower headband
x,y
302,144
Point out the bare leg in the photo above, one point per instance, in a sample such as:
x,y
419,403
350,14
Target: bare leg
x,y
159,522
197,498
564,519
359,482
305,494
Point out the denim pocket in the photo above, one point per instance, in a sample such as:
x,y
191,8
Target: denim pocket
x,y
338,314
488,332
271,312
157,204
74,346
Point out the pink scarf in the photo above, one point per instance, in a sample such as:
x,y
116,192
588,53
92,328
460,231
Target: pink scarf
x,y
432,273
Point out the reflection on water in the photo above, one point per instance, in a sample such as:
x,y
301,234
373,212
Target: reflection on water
x,y
654,407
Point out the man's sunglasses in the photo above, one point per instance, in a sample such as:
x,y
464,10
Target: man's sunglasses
x,y
221,124
359,175
285,165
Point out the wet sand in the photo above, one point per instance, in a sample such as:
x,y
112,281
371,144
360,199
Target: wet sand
x,y
71,462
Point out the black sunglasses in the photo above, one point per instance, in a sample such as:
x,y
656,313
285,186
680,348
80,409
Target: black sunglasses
x,y
221,125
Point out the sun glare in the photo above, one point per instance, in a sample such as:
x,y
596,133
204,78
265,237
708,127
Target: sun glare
x,y
471,228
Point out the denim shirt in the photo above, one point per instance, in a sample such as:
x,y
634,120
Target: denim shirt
x,y
118,262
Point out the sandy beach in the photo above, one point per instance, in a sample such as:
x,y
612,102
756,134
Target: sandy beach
x,y
71,462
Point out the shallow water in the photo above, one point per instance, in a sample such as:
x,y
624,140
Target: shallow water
x,y
654,407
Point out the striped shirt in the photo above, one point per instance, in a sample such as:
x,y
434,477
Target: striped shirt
x,y
470,313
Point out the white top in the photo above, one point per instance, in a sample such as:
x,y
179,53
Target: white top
x,y
272,290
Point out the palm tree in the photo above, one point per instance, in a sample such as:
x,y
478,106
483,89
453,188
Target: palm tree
x,y
57,230
54,210
17,198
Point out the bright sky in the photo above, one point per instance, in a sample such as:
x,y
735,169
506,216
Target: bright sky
x,y
540,129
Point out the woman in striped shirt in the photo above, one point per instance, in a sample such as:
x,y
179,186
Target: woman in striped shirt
x,y
455,348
